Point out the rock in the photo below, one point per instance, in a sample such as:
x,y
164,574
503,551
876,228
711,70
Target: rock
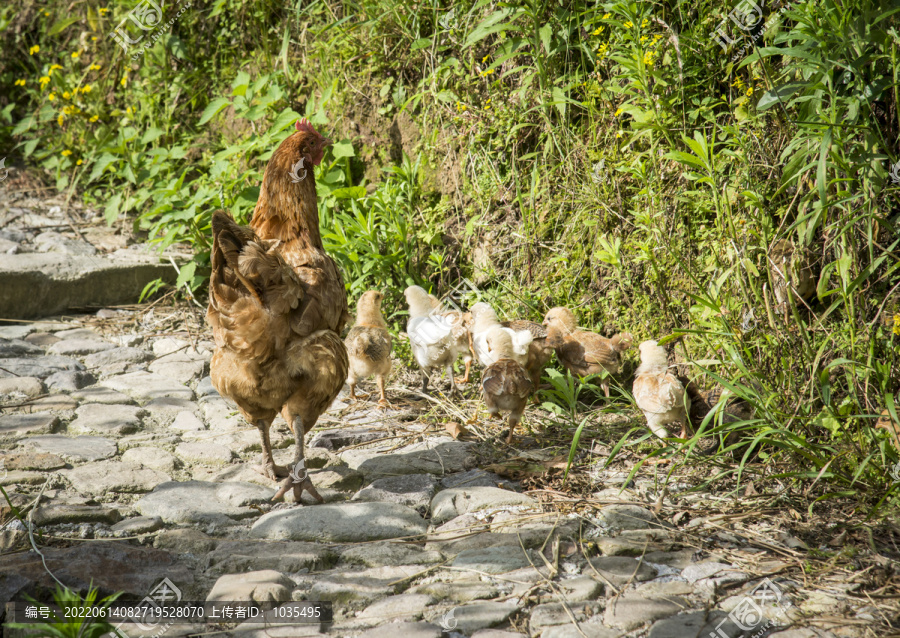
x,y
620,546
187,422
204,453
146,386
152,457
99,394
111,476
137,525
590,629
357,589
73,449
474,616
21,477
434,458
261,586
116,420
494,633
394,608
59,403
697,624
247,555
677,560
628,517
412,490
492,560
76,333
620,570
42,339
168,345
79,347
337,477
31,460
50,241
698,571
17,331
17,348
116,355
579,589
56,514
185,541
387,553
404,629
472,478
180,366
108,565
338,438
462,500
21,386
630,611
199,502
205,388
40,284
461,591
164,410
40,367
12,425
344,523
656,589
69,380
551,614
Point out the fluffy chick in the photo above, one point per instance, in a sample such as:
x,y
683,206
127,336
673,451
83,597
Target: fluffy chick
x,y
484,319
369,346
431,336
505,382
540,350
658,392
582,352
462,331
792,275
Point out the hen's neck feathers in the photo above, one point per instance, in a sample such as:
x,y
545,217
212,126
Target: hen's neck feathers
x,y
287,210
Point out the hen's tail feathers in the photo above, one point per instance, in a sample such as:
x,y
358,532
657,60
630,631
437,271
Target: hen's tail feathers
x,y
622,341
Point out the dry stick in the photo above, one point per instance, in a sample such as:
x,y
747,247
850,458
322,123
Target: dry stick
x,y
31,532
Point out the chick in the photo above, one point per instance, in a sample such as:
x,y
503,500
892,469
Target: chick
x,y
369,346
485,319
540,350
505,382
431,335
582,352
658,392
792,274
462,326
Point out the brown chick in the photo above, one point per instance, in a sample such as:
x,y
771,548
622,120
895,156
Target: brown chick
x,y
658,392
540,350
582,352
792,274
461,323
505,383
369,346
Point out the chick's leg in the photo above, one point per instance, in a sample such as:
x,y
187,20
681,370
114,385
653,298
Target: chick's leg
x,y
453,389
298,479
267,465
465,379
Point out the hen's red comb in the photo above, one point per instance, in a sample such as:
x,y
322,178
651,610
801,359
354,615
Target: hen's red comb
x,y
305,125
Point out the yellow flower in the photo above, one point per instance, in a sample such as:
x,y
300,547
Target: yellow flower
x,y
93,38
34,49
643,38
750,91
628,24
598,31
66,95
44,81
94,118
124,81
460,107
738,82
103,10
618,134
606,16
86,88
644,23
66,153
487,73
603,49
650,58
75,54
47,14
618,111
20,82
79,162
51,97
60,120
129,110
896,329
94,67
485,58
53,67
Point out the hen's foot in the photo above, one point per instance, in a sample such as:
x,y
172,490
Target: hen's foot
x,y
384,404
462,380
360,397
271,470
298,481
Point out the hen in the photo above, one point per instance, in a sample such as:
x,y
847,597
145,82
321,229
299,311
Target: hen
x,y
505,382
581,352
431,335
540,350
462,326
277,307
369,345
484,319
658,392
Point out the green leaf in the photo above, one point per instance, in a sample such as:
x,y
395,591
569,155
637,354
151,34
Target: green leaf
x,y
212,109
111,213
186,274
421,43
778,94
342,149
823,162
545,33
100,165
239,86
492,24
62,24
349,192
151,135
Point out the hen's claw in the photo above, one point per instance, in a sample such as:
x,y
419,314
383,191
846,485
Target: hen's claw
x,y
271,470
384,404
306,485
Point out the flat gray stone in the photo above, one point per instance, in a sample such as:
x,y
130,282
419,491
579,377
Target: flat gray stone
x,y
22,424
99,394
230,557
698,624
591,629
698,571
343,523
628,517
495,633
457,501
79,347
116,355
620,570
40,367
186,421
17,348
138,525
146,386
56,514
201,502
77,449
31,460
205,388
338,438
404,629
76,333
164,410
152,457
412,490
22,386
439,458
96,418
630,611
473,478
460,591
337,477
265,585
357,589
580,589
111,476
41,284
474,616
204,453
387,553
492,560
69,380
550,614
180,366
397,608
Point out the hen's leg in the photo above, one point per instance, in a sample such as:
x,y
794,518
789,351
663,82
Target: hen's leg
x,y
453,389
465,379
298,479
382,402
267,466
512,422
353,394
605,386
